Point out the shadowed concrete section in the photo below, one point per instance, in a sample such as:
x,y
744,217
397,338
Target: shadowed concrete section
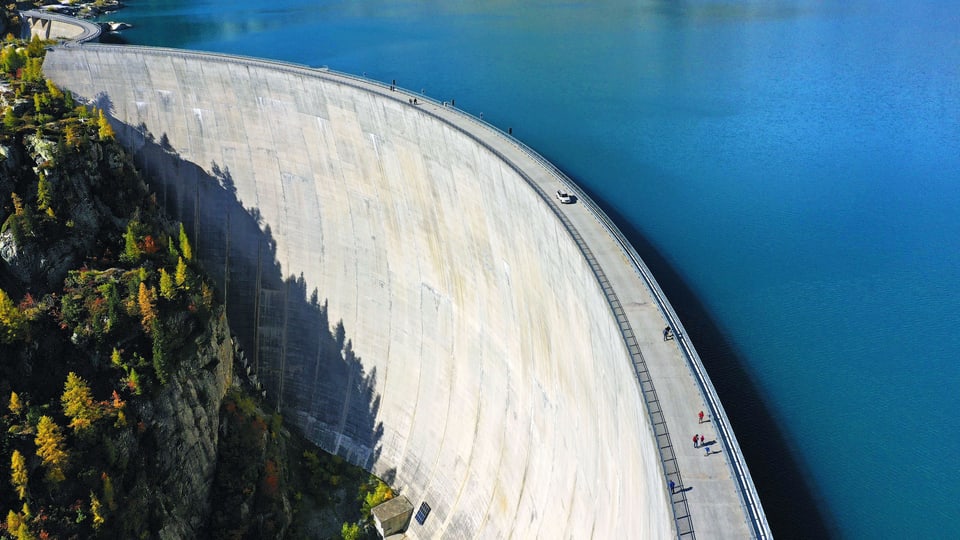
x,y
492,380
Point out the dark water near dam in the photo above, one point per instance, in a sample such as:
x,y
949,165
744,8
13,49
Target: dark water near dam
x,y
790,170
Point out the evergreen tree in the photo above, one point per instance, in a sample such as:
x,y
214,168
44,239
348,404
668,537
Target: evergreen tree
x,y
13,521
350,531
10,120
43,192
18,473
146,299
72,138
131,248
185,244
52,89
33,70
23,532
78,404
17,204
105,130
15,406
51,449
13,323
133,381
161,362
381,493
35,48
96,510
167,288
181,275
10,59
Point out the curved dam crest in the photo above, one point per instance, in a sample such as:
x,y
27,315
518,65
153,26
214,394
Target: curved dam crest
x,y
408,299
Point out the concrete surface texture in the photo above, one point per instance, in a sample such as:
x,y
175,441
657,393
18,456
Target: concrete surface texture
x,y
409,297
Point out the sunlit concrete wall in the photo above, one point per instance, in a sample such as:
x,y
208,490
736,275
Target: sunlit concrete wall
x,y
458,343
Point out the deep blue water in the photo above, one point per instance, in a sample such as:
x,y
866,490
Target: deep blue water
x,y
795,163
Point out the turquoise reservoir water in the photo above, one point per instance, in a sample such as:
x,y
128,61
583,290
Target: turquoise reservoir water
x,y
793,169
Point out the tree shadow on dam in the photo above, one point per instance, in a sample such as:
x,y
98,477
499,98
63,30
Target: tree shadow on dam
x,y
785,492
307,369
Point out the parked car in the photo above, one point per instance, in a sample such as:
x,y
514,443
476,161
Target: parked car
x,y
566,198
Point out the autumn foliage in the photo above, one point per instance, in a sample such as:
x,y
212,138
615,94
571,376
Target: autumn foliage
x,y
51,448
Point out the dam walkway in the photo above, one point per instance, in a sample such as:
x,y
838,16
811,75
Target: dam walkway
x,y
713,495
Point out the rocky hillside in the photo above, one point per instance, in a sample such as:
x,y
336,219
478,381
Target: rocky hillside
x,y
119,413
115,354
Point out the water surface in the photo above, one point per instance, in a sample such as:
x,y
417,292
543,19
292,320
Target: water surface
x,y
795,163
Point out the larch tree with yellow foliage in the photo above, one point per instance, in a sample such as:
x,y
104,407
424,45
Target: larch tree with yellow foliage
x,y
44,192
78,404
181,276
97,511
13,323
381,493
185,247
105,130
167,288
13,521
51,448
15,405
146,298
18,473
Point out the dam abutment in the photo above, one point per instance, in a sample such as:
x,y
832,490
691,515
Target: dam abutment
x,y
491,346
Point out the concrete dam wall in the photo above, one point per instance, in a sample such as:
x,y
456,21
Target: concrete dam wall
x,y
404,295
47,25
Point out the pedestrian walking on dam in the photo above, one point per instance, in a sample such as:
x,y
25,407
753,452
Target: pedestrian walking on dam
x,y
666,333
702,440
701,417
673,487
696,441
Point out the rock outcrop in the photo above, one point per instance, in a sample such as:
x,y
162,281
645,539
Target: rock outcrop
x,y
177,454
95,185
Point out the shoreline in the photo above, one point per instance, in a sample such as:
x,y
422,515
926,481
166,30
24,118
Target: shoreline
x,y
787,496
81,10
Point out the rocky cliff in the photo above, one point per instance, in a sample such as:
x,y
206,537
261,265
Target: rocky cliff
x,y
117,356
178,451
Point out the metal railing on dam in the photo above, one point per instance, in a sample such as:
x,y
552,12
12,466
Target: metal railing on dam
x,y
682,517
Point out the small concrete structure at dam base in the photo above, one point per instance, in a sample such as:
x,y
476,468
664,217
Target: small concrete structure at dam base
x,y
413,298
392,517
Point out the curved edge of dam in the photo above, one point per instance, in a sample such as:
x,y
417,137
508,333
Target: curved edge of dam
x,y
414,298
53,26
